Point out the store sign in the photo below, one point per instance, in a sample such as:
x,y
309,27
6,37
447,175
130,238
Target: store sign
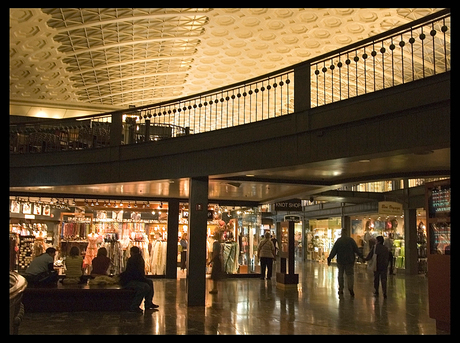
x,y
390,208
439,201
292,218
289,205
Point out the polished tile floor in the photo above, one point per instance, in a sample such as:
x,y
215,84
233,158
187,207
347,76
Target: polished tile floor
x,y
253,306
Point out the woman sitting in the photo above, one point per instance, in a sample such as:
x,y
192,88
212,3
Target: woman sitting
x,y
101,264
74,267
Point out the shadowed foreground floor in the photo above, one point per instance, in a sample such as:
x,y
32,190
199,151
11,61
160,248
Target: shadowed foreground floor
x,y
253,306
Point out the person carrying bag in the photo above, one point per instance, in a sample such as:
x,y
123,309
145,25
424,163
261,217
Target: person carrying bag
x,y
266,254
378,259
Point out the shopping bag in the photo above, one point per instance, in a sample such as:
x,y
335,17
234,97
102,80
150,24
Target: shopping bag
x,y
372,263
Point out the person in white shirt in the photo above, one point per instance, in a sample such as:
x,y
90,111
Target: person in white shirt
x,y
41,270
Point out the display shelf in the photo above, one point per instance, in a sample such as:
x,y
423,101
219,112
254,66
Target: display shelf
x,y
25,251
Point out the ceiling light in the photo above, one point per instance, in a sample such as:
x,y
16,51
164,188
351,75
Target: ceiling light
x,y
364,161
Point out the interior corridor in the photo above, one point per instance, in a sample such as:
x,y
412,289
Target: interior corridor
x,y
253,306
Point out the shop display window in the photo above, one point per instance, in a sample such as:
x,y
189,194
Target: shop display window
x,y
365,229
239,230
439,207
321,237
440,238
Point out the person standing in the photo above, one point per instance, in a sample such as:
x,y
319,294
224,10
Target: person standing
x,y
266,254
183,253
216,261
134,278
345,248
382,266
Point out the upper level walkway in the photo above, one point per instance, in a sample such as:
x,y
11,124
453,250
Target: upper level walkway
x,y
385,98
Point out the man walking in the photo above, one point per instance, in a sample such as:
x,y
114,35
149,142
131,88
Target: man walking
x,y
345,248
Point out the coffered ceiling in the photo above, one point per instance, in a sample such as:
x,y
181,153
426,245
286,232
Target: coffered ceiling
x,y
76,61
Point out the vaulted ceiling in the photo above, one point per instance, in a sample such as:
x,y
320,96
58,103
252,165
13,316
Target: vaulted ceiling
x,y
75,61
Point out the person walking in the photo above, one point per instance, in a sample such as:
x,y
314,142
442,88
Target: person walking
x,y
388,242
266,254
381,271
345,248
134,278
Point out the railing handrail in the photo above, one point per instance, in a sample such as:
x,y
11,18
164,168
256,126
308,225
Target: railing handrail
x,y
340,51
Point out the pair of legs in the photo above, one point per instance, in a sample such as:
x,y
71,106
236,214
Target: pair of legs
x,y
42,279
349,270
183,259
144,290
266,263
382,276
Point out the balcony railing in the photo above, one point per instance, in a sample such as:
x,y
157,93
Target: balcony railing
x,y
413,51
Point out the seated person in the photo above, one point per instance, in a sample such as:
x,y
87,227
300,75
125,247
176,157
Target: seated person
x,y
134,277
101,264
74,267
41,270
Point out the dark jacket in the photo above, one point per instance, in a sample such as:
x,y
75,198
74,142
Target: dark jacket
x,y
345,248
135,270
383,257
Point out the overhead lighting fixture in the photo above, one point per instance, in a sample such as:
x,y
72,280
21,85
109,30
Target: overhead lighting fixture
x,y
364,161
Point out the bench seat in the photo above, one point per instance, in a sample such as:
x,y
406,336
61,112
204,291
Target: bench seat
x,y
77,297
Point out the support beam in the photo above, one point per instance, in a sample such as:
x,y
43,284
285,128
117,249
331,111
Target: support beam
x,y
410,241
173,229
196,259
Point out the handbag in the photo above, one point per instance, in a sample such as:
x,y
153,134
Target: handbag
x,y
372,263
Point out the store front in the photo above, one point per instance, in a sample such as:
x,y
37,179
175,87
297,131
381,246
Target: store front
x,y
321,236
89,225
36,224
239,230
365,228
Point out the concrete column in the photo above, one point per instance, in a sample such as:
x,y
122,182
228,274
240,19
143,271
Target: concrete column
x,y
196,258
173,229
410,241
116,128
302,88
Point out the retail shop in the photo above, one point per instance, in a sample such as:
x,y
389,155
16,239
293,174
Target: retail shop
x,y
37,223
238,229
321,236
391,225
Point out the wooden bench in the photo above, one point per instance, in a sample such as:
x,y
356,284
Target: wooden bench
x,y
77,297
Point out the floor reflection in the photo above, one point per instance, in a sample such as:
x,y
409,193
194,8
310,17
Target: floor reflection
x,y
253,306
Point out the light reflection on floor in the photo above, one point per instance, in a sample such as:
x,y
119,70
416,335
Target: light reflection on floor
x,y
253,306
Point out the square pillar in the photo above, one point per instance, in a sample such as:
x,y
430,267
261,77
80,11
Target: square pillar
x,y
302,87
116,128
173,230
410,241
196,253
